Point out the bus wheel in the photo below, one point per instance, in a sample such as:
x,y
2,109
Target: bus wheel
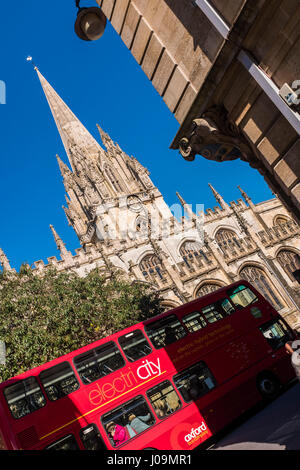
x,y
268,385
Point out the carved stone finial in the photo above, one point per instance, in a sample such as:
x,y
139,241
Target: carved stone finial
x,y
244,194
218,197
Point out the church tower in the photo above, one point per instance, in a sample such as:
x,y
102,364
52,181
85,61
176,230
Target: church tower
x,y
105,187
114,207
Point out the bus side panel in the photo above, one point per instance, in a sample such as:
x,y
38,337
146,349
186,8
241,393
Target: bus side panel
x,y
237,356
283,368
225,409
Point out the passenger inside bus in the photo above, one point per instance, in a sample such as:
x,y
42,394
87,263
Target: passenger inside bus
x,y
194,387
138,423
119,434
169,335
161,408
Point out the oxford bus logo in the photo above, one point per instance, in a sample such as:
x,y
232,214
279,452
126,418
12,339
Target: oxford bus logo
x,y
2,92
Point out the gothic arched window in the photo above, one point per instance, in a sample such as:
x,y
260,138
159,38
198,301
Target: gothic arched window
x,y
258,278
280,220
151,265
289,261
207,289
190,250
226,238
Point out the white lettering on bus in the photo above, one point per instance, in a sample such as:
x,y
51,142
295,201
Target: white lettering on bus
x,y
195,432
148,368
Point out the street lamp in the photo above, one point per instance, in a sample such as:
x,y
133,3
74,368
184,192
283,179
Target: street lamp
x,y
90,23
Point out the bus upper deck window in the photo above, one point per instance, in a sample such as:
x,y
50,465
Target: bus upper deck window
x,y
242,296
24,397
211,313
194,322
165,331
135,345
59,381
226,306
98,362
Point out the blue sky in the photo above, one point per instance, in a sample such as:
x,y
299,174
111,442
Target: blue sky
x,y
102,83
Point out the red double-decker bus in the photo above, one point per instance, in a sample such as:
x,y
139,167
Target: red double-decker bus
x,y
170,382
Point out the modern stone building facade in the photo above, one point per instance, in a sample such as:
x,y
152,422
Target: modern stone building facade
x,y
219,66
123,222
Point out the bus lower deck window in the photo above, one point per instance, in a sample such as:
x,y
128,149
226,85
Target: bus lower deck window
x,y
128,420
135,345
276,333
66,443
91,438
195,381
24,397
59,381
164,399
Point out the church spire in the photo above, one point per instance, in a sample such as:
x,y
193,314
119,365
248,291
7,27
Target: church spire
x,y
245,195
64,253
186,207
63,167
72,132
4,262
106,139
218,197
181,200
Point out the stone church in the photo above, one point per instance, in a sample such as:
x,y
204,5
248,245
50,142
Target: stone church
x,y
123,222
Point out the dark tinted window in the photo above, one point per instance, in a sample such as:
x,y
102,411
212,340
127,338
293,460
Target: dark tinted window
x,y
135,345
24,397
212,313
91,438
98,362
195,381
194,321
242,296
226,307
66,443
59,381
164,399
128,420
165,331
